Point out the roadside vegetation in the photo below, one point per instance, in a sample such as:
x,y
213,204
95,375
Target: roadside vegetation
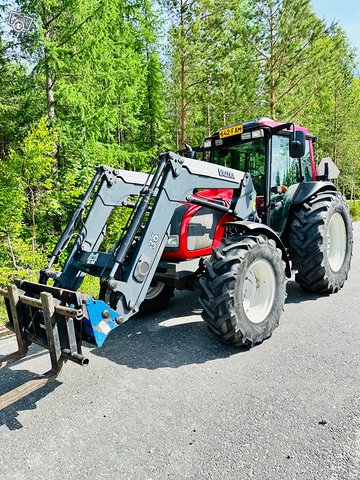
x,y
355,210
116,82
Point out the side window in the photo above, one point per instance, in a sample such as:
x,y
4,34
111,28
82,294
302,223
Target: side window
x,y
306,170
284,169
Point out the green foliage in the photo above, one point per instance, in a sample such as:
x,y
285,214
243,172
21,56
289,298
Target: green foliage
x,y
355,210
208,68
27,180
12,201
89,86
35,159
3,314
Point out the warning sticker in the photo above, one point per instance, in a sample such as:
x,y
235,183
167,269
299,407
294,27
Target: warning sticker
x,y
104,327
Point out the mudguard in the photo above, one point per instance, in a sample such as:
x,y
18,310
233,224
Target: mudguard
x,y
308,189
252,228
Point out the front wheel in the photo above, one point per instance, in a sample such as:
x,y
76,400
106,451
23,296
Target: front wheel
x,y
157,298
244,290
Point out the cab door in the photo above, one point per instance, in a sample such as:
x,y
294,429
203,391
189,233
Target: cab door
x,y
286,173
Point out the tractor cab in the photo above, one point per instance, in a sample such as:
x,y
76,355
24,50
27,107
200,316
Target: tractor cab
x,y
279,157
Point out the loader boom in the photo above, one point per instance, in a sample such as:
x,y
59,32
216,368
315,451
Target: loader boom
x,y
126,271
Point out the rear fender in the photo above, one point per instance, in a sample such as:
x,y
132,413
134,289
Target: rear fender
x,y
303,193
307,189
252,228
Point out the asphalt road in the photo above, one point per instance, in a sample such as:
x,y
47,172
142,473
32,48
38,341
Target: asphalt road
x,y
164,400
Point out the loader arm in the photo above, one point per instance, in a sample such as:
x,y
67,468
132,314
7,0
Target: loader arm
x,y
127,271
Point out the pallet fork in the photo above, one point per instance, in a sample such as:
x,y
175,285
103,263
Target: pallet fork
x,y
15,302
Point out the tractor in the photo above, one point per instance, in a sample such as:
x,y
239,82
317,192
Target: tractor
x,y
229,219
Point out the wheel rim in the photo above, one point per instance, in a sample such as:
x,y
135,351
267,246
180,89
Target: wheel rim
x,y
259,290
155,290
336,242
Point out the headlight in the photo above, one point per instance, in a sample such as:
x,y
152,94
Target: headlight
x,y
173,241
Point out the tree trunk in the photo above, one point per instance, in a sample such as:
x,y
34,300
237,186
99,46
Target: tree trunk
x,y
272,102
2,148
50,95
12,254
183,102
272,70
49,83
335,126
183,76
208,120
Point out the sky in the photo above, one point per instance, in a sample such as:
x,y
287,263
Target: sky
x,y
347,13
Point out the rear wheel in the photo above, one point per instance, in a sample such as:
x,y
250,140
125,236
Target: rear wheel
x,y
157,298
321,242
244,289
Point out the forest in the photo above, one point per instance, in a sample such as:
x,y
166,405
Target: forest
x,y
91,82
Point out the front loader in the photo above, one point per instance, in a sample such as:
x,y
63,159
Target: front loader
x,y
228,226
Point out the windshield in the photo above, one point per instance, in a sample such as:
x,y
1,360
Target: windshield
x,y
247,156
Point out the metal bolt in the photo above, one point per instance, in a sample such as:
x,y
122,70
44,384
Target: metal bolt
x,y
119,320
105,314
177,172
112,284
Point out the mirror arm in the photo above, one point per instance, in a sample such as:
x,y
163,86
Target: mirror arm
x,y
283,126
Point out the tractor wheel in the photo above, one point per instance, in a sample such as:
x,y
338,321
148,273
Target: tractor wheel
x,y
244,290
157,298
321,243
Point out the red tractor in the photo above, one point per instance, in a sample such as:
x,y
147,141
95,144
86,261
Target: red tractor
x,y
231,226
298,216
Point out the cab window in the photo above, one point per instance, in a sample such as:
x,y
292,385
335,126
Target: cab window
x,y
286,170
245,156
306,170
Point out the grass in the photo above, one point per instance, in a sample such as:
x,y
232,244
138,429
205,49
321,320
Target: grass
x,y
355,210
7,276
3,314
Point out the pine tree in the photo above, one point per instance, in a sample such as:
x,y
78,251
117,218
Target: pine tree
x,y
286,42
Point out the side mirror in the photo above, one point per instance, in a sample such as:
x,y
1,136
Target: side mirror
x,y
297,144
189,152
327,169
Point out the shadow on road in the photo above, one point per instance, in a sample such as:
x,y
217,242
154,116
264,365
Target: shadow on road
x,y
10,379
296,294
171,339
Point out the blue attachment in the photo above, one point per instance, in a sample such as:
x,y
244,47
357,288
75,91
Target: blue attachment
x,y
101,320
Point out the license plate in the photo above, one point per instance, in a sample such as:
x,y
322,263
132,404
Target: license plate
x,y
228,132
